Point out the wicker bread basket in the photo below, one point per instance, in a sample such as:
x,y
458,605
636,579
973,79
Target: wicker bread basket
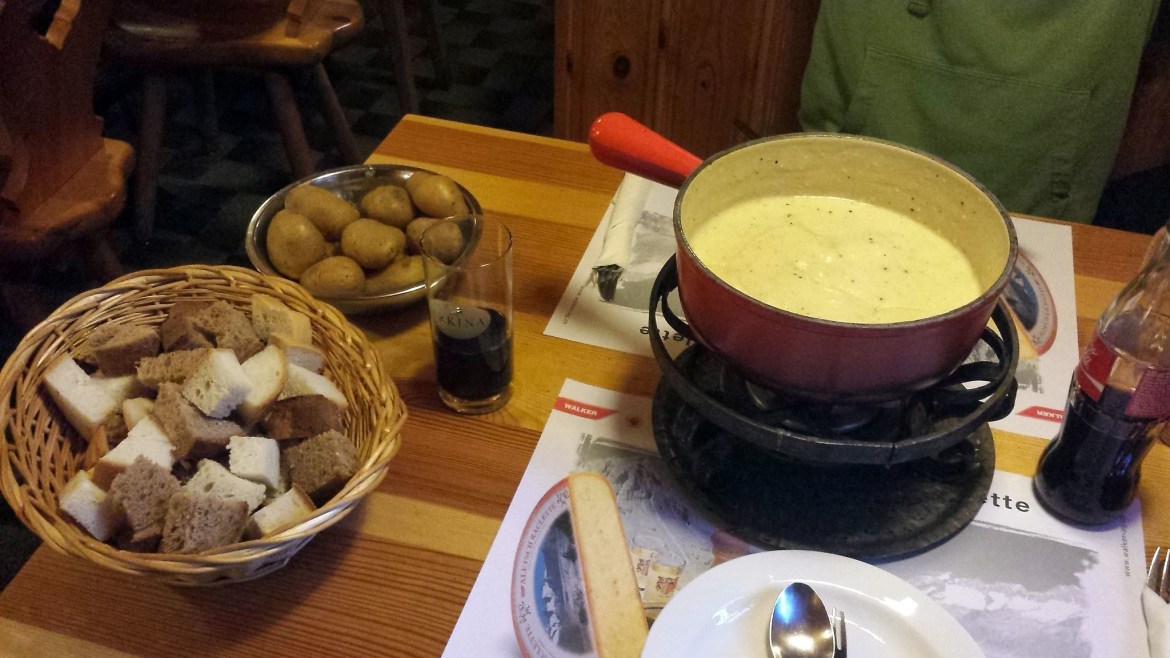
x,y
41,452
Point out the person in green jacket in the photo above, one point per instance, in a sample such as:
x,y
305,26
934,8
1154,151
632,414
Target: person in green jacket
x,y
1029,97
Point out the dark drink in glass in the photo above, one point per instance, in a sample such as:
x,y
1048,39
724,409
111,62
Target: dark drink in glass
x,y
467,262
473,354
1089,473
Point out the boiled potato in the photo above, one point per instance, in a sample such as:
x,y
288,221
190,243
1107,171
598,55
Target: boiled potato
x,y
371,243
402,273
388,204
328,212
293,243
436,195
445,241
336,276
414,232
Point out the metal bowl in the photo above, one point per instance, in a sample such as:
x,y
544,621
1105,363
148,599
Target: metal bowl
x,y
350,183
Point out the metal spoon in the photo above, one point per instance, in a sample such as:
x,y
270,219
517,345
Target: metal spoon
x,y
800,626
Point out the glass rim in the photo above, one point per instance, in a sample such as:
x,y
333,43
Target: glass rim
x,y
504,252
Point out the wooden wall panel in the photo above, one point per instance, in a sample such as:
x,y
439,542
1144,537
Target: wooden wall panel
x,y
705,74
605,55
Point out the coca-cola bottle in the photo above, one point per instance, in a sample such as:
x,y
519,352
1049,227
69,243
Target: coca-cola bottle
x,y
1118,402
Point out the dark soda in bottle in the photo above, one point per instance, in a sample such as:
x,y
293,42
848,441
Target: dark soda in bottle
x,y
1089,473
1118,403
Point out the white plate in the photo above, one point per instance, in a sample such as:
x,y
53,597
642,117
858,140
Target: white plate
x,y
725,611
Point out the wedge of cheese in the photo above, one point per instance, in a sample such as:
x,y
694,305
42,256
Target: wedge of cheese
x,y
573,587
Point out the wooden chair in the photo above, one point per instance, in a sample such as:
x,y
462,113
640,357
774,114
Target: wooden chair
x,y
398,43
162,37
61,182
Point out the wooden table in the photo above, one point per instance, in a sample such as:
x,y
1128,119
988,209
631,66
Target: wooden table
x,y
393,577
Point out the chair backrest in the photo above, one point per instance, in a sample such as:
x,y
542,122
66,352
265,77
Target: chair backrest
x,y
48,130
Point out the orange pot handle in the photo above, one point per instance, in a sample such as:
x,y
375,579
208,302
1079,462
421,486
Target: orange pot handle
x,y
621,142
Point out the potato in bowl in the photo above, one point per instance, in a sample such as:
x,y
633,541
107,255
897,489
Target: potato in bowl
x,y
346,234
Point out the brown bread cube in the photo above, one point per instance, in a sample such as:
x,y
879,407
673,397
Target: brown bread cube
x,y
322,465
194,435
301,417
117,349
139,541
230,329
172,367
201,522
179,331
142,491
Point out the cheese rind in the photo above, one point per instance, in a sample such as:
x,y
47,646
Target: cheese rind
x,y
611,589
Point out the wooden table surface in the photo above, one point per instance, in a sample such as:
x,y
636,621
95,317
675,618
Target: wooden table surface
x,y
392,578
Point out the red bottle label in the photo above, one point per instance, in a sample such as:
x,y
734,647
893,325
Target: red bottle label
x,y
1095,366
1148,387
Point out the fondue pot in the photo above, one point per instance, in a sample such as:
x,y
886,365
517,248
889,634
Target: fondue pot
x,y
809,356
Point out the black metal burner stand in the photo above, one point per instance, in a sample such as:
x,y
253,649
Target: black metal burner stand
x,y
879,482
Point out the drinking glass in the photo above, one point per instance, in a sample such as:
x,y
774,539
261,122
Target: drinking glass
x,y
468,264
665,571
643,552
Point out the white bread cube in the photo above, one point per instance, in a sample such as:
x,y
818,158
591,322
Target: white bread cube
x,y
306,382
305,355
86,403
90,506
270,315
119,388
255,458
289,508
136,409
146,439
267,371
218,385
214,479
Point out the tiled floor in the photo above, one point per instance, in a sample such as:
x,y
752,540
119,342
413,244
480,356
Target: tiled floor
x,y
500,53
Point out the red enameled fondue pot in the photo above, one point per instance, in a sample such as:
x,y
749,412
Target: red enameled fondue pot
x,y
817,358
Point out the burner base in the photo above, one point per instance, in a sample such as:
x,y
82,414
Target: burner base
x,y
864,511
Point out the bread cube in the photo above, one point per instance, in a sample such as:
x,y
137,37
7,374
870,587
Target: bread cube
x,y
292,506
255,458
322,465
267,371
85,403
305,355
116,349
195,436
90,506
230,329
301,417
272,316
306,382
174,367
200,522
146,439
214,479
218,385
142,492
135,409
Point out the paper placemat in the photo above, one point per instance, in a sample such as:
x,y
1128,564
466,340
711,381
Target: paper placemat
x,y
1022,583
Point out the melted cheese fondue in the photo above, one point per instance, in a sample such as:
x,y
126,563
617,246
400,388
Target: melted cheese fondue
x,y
835,259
